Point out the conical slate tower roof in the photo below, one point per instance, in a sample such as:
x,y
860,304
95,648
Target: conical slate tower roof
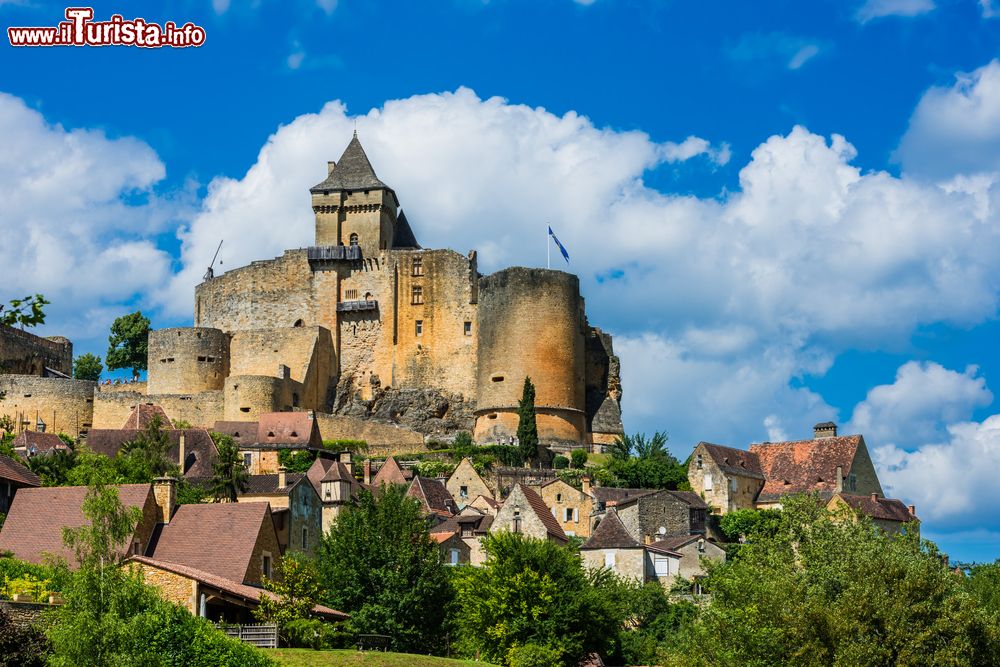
x,y
353,172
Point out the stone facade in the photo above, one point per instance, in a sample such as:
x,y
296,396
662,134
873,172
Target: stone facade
x,y
266,545
465,484
571,507
24,353
302,526
173,587
724,490
647,514
65,406
627,563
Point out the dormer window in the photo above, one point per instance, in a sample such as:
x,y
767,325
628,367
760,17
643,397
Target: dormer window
x,y
354,239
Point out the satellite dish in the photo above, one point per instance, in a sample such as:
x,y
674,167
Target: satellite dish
x,y
662,530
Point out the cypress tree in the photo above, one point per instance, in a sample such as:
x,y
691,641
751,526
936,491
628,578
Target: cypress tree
x,y
527,427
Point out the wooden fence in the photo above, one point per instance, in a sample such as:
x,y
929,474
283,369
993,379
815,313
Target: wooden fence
x,y
264,635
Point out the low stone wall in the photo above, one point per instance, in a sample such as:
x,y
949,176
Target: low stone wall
x,y
382,439
25,614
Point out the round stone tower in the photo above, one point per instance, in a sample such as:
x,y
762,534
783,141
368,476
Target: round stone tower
x,y
531,324
187,360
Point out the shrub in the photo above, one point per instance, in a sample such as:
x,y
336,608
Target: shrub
x,y
560,462
20,646
356,446
579,457
533,655
434,468
316,634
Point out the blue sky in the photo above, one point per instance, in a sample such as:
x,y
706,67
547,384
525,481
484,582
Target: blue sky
x,y
786,212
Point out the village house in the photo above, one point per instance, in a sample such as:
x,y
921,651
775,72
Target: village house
x,y
486,505
652,514
333,480
260,442
192,449
295,508
571,507
888,514
388,473
13,476
35,443
726,478
525,512
460,537
465,484
613,548
691,549
433,496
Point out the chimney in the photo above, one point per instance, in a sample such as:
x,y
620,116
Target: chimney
x,y
40,425
165,493
913,510
282,477
181,452
345,458
874,497
368,471
330,166
825,430
840,478
585,481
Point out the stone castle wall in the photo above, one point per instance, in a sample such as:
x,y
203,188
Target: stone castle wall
x,y
66,406
25,353
247,397
187,360
112,408
382,439
307,352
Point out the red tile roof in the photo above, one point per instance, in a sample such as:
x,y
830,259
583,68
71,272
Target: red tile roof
x,y
34,442
804,466
389,473
611,534
249,593
288,429
433,496
199,448
143,414
244,433
543,512
37,516
885,509
734,461
14,471
217,538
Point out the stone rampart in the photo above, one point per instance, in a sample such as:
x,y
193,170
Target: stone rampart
x,y
65,406
112,408
187,360
25,353
382,439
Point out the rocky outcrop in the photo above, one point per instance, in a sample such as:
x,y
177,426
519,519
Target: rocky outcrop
x,y
428,411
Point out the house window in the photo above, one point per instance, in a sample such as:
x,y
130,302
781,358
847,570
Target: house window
x,y
517,521
463,491
708,481
418,266
420,327
558,497
701,546
453,557
733,484
418,295
247,459
136,548
852,483
468,328
328,491
568,514
466,530
354,239
609,560
661,565
350,295
265,564
699,462
305,537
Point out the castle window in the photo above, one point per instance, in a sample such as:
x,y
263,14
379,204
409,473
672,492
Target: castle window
x,y
354,239
210,359
420,327
497,378
418,295
467,328
295,402
492,415
298,323
201,359
354,329
418,266
368,296
244,409
351,295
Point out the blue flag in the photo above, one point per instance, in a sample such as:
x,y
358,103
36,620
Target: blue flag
x,y
560,245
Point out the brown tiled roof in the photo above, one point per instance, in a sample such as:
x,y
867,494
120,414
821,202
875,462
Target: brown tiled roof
x,y
804,466
543,512
15,472
288,429
244,433
328,470
689,498
675,542
611,534
433,495
885,509
199,448
480,523
217,538
143,414
248,593
734,461
611,496
33,442
34,525
267,485
492,502
389,473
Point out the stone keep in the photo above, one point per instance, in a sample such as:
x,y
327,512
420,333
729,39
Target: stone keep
x,y
368,324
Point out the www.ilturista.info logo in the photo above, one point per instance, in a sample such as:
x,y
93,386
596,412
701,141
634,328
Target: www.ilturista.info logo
x,y
81,30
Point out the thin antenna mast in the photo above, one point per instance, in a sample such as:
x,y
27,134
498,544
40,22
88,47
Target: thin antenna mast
x,y
210,273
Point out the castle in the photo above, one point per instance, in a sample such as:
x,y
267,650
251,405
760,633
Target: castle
x,y
368,328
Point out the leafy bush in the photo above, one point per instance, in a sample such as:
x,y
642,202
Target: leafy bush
x,y
434,468
20,646
578,457
18,576
560,462
356,446
316,634
296,460
533,655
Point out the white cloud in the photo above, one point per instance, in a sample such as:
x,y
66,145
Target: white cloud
x,y
990,8
873,9
956,129
951,482
70,234
790,50
918,405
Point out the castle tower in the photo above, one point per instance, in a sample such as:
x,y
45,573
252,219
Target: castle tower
x,y
352,206
531,323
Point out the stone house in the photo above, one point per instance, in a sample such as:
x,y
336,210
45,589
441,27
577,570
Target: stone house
x,y
295,508
33,443
888,514
465,484
691,549
461,536
571,507
827,464
433,496
259,442
334,481
142,416
526,513
612,547
655,514
388,473
726,478
13,476
486,505
34,525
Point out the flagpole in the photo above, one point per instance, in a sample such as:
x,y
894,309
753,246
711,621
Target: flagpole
x,y
548,248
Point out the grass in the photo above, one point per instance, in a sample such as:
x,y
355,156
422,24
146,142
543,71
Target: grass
x,y
303,657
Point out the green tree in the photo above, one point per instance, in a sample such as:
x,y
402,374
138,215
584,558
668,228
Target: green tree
x,y
826,590
87,367
128,344
747,524
579,458
297,590
145,456
53,468
531,592
26,312
98,544
230,477
661,472
527,425
378,564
